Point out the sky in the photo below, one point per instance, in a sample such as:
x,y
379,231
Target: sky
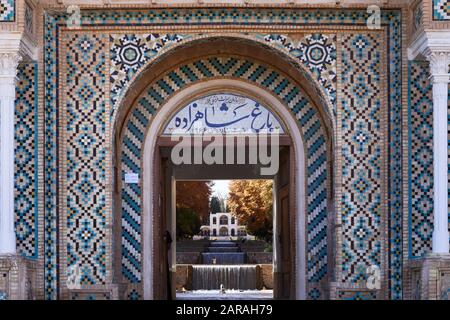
x,y
220,188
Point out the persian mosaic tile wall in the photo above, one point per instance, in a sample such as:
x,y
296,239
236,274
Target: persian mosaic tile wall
x,y
271,80
420,103
391,21
130,53
26,161
356,295
317,52
91,296
7,10
362,152
51,178
85,188
441,9
421,159
395,158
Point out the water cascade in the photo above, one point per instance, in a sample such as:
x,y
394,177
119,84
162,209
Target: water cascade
x,y
210,277
223,252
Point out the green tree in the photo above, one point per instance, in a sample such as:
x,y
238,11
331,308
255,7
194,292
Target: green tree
x,y
188,223
215,205
192,206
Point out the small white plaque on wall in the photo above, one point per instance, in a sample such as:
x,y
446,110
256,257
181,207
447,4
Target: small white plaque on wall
x,y
131,178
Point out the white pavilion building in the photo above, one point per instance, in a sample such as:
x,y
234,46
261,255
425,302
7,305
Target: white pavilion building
x,y
223,226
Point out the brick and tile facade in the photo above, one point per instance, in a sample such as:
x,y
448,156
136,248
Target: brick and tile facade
x,y
84,106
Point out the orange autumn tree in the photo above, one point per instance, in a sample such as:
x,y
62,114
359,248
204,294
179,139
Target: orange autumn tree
x,y
192,206
252,202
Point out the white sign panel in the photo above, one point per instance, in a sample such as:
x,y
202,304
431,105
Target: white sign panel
x,y
224,113
131,178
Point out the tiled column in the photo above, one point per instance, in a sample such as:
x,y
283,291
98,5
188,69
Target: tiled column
x,y
8,72
439,65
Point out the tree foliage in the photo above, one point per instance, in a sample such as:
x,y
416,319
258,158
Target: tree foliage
x,y
252,202
192,204
194,195
215,205
188,223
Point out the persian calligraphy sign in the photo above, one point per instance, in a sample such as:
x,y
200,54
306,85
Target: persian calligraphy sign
x,y
224,113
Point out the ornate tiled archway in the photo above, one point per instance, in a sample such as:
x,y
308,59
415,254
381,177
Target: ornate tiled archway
x,y
289,94
100,25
